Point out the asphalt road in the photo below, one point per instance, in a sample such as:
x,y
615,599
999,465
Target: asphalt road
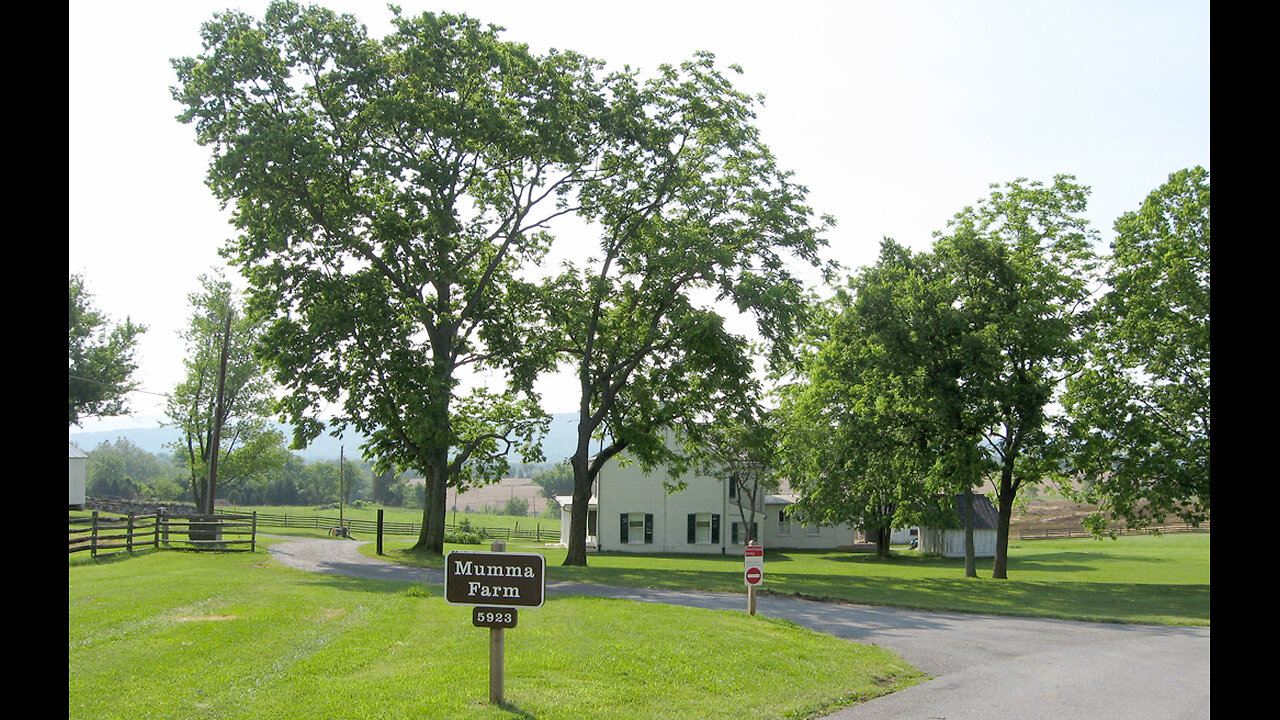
x,y
981,666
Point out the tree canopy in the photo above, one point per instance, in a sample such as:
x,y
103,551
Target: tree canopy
x,y
388,193
876,407
1140,408
1025,267
693,216
100,360
935,363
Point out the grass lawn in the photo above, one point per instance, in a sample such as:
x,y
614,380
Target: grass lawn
x,y
1148,579
181,635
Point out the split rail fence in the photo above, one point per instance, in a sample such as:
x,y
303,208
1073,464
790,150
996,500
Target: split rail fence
x,y
1076,531
101,535
388,527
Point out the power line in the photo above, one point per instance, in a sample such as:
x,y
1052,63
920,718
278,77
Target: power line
x,y
117,386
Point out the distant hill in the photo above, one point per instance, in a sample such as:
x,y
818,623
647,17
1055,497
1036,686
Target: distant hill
x,y
556,446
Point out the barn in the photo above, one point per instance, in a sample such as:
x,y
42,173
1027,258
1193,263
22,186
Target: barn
x,y
949,541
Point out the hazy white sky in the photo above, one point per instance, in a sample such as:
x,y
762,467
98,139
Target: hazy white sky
x,y
895,115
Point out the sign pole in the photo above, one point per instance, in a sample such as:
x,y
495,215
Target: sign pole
x,y
496,650
753,573
495,584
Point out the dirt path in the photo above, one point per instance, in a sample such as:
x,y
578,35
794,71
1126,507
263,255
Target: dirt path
x,y
983,666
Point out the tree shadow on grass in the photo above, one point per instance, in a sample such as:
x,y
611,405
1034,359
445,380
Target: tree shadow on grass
x,y
1100,602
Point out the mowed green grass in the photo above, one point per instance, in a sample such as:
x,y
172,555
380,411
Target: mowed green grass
x,y
167,634
1143,579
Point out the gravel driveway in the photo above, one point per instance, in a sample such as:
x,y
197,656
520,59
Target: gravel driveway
x,y
982,666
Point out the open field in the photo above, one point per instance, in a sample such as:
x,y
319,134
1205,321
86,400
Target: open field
x,y
1146,579
180,635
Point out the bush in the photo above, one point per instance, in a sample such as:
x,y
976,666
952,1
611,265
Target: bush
x,y
465,534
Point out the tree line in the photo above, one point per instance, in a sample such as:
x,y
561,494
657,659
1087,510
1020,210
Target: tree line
x,y
1013,351
396,201
121,469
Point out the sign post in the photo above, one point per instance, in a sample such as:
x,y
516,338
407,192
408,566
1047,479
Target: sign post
x,y
496,583
753,572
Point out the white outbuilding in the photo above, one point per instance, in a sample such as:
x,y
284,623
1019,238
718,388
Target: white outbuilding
x,y
75,482
949,542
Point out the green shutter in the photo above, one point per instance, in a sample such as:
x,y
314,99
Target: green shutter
x,y
648,528
693,528
715,528
623,535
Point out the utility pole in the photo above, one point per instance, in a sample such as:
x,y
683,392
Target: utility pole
x,y
216,443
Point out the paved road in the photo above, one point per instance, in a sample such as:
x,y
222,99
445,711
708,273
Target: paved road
x,y
982,666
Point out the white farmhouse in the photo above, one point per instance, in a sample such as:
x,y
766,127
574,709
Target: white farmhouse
x,y
632,511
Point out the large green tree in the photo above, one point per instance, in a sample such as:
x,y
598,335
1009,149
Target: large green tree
x,y
1139,411
223,407
691,211
868,425
388,193
100,360
1023,265
944,365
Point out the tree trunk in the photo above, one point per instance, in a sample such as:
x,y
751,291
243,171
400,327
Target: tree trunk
x,y
970,566
435,449
582,481
216,443
585,472
1008,490
431,537
882,535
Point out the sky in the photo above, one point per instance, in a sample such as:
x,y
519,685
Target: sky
x,y
895,115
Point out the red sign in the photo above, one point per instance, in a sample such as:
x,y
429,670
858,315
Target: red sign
x,y
754,576
755,551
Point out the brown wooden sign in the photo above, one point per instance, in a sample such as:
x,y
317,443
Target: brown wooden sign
x,y
495,579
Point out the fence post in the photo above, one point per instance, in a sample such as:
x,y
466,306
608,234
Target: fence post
x,y
379,531
93,536
128,534
253,533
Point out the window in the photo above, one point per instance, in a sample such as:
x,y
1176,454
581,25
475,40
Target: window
x,y
636,529
704,528
812,530
742,533
784,522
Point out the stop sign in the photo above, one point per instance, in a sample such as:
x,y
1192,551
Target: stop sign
x,y
754,576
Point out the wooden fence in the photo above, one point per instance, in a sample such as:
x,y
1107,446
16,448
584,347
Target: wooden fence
x,y
1076,531
106,535
370,527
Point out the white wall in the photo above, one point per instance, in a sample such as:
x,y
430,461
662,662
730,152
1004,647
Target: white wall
x,y
950,543
76,472
802,536
628,489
